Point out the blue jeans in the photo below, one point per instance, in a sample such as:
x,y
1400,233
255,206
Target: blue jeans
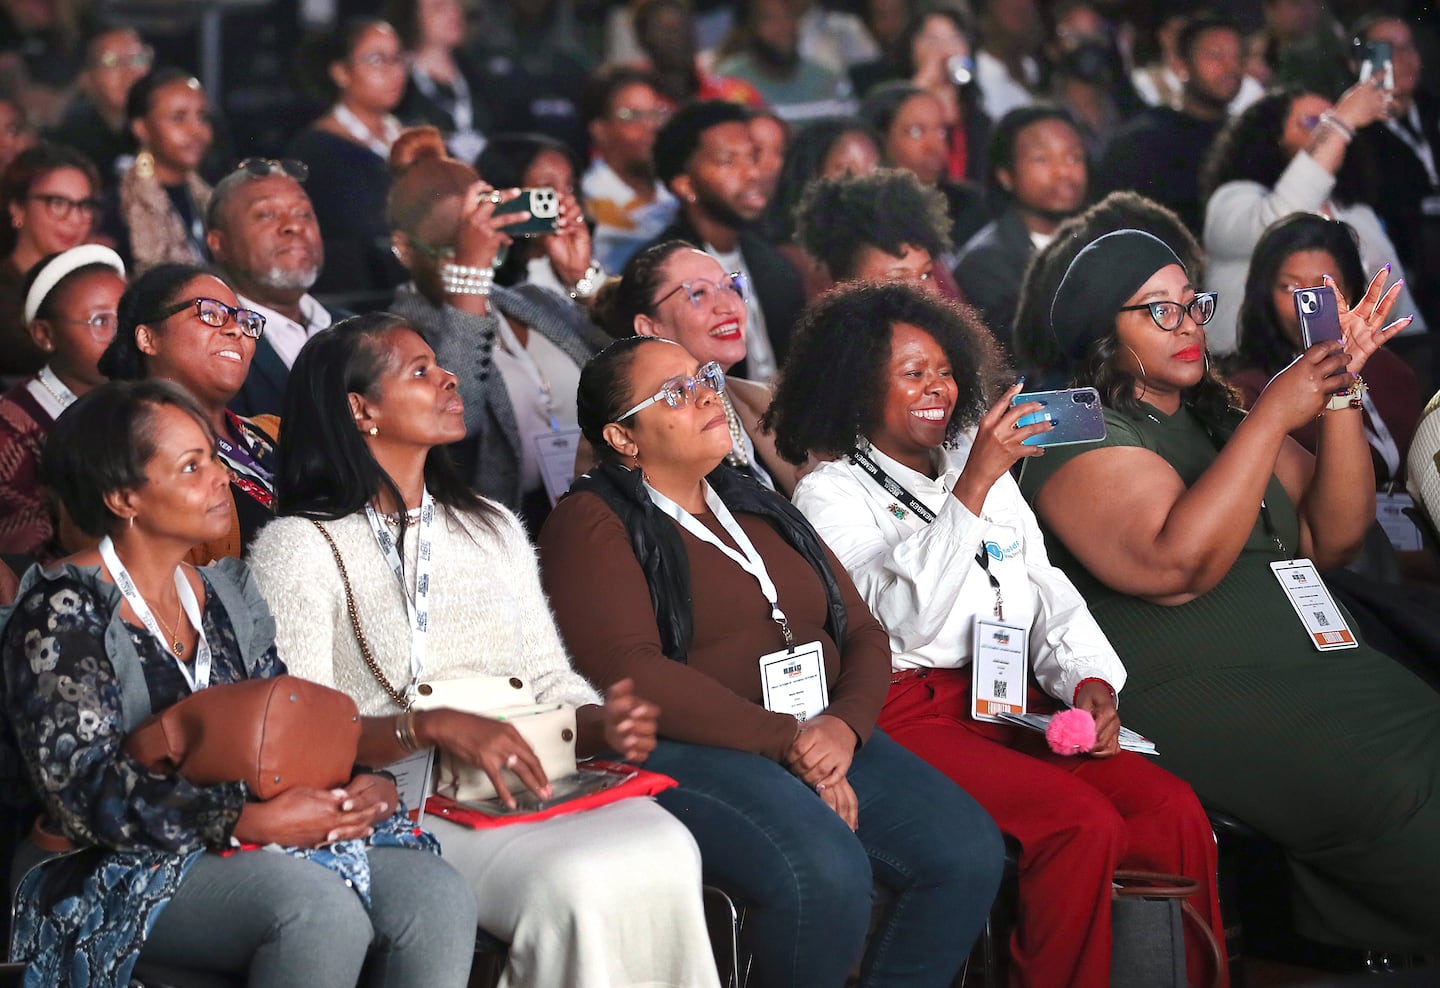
x,y
766,838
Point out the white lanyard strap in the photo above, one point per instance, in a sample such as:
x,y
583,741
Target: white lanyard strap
x,y
417,608
201,677
510,343
1378,435
461,109
357,129
747,559
1417,144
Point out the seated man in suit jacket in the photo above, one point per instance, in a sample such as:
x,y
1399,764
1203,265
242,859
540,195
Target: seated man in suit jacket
x,y
263,234
707,160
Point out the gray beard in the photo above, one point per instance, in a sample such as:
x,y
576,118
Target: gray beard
x,y
288,279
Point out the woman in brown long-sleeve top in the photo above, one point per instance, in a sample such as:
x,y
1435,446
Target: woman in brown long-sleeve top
x,y
665,566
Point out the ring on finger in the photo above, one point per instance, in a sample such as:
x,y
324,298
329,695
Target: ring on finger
x,y
819,787
495,197
512,760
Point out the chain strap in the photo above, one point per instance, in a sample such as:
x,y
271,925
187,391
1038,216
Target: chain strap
x,y
400,699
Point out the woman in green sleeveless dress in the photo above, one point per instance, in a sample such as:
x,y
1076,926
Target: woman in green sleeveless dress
x,y
1169,528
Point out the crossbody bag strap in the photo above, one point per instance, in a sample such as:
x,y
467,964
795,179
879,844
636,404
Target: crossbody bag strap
x,y
400,699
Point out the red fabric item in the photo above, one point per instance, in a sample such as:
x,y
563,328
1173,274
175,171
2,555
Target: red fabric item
x,y
644,783
1077,821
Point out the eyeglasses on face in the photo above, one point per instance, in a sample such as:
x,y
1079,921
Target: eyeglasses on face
x,y
139,60
379,60
702,291
679,391
60,207
261,167
657,115
102,324
217,314
1169,315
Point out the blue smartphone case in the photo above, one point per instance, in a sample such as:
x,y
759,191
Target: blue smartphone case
x,y
1077,413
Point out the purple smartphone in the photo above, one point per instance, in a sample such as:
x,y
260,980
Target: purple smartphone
x,y
1319,316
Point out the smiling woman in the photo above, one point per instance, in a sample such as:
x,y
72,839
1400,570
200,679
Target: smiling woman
x,y
183,324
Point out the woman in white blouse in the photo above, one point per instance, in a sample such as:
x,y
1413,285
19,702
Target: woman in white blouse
x,y
921,509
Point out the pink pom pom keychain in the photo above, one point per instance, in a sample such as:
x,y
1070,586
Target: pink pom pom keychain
x,y
1071,732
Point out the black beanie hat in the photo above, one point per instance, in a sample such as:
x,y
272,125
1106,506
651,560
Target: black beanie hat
x,y
1097,283
681,134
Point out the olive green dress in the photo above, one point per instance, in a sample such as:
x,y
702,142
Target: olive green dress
x,y
1334,755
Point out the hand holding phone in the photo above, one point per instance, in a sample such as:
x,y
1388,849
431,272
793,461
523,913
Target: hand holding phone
x,y
1377,62
1319,315
543,205
1075,414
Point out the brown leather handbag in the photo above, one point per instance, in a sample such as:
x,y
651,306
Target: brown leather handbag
x,y
272,734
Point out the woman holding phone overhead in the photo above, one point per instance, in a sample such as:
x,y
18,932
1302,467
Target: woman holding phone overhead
x,y
1189,529
917,501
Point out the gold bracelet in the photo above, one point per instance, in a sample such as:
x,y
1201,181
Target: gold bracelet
x,y
405,730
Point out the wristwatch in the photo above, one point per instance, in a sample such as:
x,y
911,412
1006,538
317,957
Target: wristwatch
x,y
1351,397
589,282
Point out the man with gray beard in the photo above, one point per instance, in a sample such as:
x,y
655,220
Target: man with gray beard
x,y
263,235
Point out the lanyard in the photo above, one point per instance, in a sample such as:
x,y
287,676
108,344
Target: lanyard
x,y
510,343
201,677
51,382
1378,435
418,607
240,459
894,488
1417,144
460,107
357,129
747,559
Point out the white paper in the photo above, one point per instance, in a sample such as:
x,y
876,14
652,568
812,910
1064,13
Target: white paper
x,y
1312,602
556,450
412,778
1403,533
793,682
998,670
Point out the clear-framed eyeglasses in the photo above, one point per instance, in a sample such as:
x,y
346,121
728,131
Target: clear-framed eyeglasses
x,y
680,391
702,291
217,314
102,325
1169,315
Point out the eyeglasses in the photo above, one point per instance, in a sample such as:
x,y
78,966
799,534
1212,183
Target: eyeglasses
x,y
702,291
379,60
678,391
437,252
140,60
261,167
217,314
657,115
102,325
1169,315
60,207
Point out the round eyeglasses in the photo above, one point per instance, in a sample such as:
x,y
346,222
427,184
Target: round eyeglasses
x,y
102,325
217,314
679,391
1169,315
702,291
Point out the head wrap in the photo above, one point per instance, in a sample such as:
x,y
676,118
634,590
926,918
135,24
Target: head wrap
x,y
64,264
682,133
1097,283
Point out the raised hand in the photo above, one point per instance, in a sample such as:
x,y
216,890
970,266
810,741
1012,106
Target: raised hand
x,y
1364,326
999,442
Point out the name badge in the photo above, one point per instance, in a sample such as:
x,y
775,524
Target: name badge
x,y
1390,513
412,779
998,670
794,682
1312,602
556,449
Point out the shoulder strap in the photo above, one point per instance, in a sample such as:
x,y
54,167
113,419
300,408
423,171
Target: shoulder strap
x,y
354,613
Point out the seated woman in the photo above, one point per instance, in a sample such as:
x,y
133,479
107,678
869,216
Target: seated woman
x,y
518,352
923,513
649,299
158,213
107,636
885,226
609,896
798,802
183,324
51,195
70,302
1173,527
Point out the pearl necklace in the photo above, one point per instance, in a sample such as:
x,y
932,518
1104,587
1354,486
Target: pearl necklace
x,y
737,457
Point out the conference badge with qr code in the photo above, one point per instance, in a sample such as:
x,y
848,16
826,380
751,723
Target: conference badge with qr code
x,y
1311,599
998,670
793,681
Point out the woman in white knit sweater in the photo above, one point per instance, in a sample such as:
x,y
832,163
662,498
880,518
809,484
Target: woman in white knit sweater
x,y
609,896
1284,155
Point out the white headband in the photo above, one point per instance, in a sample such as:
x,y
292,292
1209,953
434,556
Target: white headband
x,y
64,264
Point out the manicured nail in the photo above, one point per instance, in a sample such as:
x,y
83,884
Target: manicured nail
x,y
384,808
348,805
1020,380
1400,282
1387,267
332,836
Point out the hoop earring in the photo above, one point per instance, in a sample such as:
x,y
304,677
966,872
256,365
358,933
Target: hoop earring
x,y
1144,388
132,521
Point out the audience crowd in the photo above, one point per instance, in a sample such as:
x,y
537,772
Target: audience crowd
x,y
718,377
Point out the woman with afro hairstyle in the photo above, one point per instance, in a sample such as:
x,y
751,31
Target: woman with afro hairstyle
x,y
920,508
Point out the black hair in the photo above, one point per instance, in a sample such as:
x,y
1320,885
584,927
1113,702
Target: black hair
x,y
1211,399
905,44
144,299
51,299
101,444
834,385
29,167
323,49
1205,21
326,471
682,135
632,294
606,82
1035,345
1262,344
883,102
507,156
142,94
604,391
1367,20
1000,155
803,163
887,209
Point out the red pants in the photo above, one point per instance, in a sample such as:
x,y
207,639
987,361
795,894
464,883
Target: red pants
x,y
1077,820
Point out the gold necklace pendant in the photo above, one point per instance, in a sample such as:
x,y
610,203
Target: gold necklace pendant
x,y
178,648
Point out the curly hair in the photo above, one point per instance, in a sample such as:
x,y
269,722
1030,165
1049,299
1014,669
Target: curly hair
x,y
1262,343
803,164
1211,399
834,387
888,209
1000,155
1035,345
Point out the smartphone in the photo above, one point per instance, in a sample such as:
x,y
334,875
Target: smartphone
x,y
543,205
1319,316
1076,412
1376,60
